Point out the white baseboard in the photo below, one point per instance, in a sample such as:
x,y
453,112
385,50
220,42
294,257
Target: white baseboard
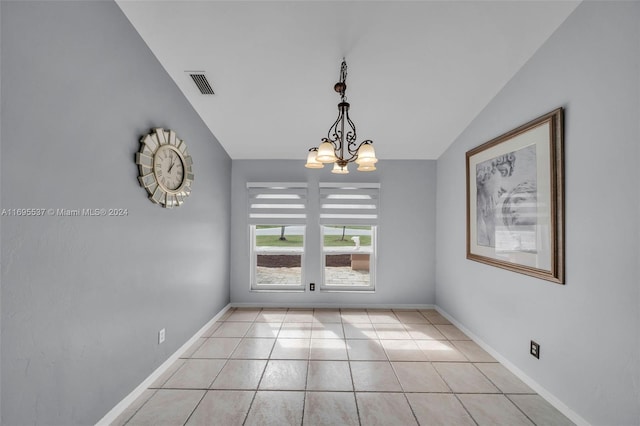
x,y
552,399
113,414
334,305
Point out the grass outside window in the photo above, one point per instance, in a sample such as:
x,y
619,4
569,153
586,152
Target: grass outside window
x,y
296,240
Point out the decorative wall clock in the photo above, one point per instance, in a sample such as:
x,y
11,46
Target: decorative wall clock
x,y
164,168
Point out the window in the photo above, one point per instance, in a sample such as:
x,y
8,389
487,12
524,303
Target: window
x,y
278,253
348,217
277,222
347,257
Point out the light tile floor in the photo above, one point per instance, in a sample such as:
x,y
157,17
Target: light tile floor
x,y
338,367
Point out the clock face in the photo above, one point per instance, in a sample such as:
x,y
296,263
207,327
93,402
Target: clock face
x,y
168,167
165,168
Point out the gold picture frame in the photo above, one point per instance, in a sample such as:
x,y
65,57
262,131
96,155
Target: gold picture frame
x,y
515,199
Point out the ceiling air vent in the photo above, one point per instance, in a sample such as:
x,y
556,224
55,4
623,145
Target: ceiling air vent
x,y
201,81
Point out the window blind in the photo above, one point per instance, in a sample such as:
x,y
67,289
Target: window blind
x,y
349,203
277,203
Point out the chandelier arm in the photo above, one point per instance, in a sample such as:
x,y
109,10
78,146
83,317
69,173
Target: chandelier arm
x,y
351,136
334,135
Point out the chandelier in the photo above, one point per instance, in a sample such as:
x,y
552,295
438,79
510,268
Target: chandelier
x,y
339,147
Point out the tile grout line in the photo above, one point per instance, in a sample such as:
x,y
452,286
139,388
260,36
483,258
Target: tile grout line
x,y
164,382
161,384
355,399
306,379
226,360
502,392
255,393
517,407
213,380
395,374
195,408
455,395
440,375
139,408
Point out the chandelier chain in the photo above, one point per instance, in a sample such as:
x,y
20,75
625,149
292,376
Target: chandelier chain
x,y
343,79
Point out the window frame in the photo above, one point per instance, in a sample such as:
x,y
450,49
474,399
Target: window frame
x,y
349,250
254,252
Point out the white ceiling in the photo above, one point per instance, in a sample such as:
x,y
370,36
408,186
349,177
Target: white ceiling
x,y
418,72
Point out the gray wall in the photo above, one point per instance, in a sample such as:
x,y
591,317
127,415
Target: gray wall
x,y
406,235
589,328
84,297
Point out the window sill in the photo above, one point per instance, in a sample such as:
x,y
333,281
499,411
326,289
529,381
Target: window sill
x,y
347,250
278,250
277,290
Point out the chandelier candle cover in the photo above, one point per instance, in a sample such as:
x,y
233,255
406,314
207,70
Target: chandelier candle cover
x,y
341,137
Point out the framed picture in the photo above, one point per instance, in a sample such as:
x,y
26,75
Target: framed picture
x,y
515,200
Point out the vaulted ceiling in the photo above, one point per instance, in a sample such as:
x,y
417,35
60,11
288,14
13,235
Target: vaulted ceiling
x,y
418,72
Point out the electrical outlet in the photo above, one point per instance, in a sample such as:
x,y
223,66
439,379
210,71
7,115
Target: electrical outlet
x,y
535,349
312,286
161,336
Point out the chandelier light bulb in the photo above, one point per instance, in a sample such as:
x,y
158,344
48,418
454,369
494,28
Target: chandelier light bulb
x,y
340,170
326,153
312,162
366,154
